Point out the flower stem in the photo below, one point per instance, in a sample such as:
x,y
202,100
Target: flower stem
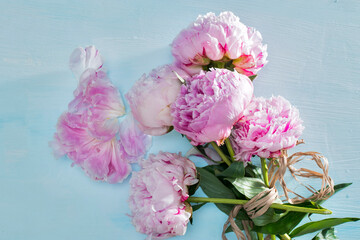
x,y
230,149
285,237
264,170
274,205
260,236
222,155
216,200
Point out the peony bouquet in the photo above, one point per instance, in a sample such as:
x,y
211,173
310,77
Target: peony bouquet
x,y
207,95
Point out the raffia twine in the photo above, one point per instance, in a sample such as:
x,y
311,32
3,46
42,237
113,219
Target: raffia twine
x,y
259,204
255,207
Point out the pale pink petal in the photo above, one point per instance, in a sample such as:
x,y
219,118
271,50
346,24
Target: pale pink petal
x,y
134,142
82,59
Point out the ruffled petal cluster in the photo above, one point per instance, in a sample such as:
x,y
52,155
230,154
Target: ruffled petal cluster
x,y
98,101
87,132
101,160
210,104
157,195
267,127
219,41
151,96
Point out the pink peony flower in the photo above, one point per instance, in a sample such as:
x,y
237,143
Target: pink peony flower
x,y
87,133
219,41
267,127
150,99
210,104
157,195
82,59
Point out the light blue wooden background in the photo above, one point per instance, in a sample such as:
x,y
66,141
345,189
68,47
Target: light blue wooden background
x,y
314,57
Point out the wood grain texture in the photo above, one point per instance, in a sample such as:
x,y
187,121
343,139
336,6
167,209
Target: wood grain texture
x,y
314,57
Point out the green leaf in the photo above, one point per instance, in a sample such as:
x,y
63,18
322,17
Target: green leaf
x,y
235,170
318,225
252,77
215,169
253,171
341,186
236,192
326,234
238,223
214,188
192,189
292,219
337,189
250,187
269,216
287,222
